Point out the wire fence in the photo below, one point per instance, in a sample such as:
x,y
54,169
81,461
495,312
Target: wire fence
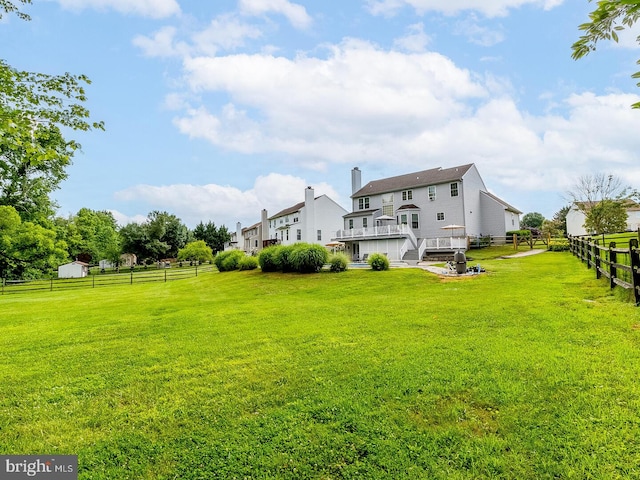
x,y
133,275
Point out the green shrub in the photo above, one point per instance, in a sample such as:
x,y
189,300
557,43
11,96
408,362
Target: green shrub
x,y
520,233
558,245
284,254
377,261
269,259
228,260
308,258
338,262
248,263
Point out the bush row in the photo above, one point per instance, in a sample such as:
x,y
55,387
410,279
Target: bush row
x,y
299,257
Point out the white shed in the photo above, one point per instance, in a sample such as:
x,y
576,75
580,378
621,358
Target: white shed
x,y
73,270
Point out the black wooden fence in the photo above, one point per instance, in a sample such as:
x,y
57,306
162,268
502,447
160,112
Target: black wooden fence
x,y
136,275
620,265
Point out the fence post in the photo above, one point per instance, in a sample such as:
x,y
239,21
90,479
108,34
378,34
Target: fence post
x,y
51,284
589,254
634,254
165,275
196,269
613,259
596,247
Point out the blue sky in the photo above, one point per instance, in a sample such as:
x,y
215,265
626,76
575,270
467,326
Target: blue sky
x,y
215,110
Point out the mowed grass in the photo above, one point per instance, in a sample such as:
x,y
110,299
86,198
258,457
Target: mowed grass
x,y
528,371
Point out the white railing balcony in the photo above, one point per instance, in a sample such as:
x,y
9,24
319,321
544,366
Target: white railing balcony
x,y
375,232
446,243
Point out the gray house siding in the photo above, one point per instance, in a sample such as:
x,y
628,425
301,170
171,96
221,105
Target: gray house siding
x,y
492,217
472,184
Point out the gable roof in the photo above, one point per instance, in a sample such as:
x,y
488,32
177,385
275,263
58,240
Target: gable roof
x,y
287,211
423,178
502,202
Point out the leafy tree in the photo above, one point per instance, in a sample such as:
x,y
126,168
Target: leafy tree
x,y
532,220
27,250
213,236
34,109
161,236
598,197
560,219
169,229
609,17
99,233
608,216
196,251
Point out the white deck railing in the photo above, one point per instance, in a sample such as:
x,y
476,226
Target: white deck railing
x,y
382,231
446,243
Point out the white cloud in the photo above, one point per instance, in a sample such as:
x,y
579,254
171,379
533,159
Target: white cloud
x,y
478,34
348,105
416,39
123,219
161,44
224,32
224,204
296,14
145,8
489,8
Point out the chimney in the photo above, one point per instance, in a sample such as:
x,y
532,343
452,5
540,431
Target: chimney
x,y
309,216
239,240
265,226
356,180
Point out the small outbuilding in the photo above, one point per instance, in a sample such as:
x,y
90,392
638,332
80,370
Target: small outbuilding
x,y
75,269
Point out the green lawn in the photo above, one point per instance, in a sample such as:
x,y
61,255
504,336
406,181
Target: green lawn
x,y
528,371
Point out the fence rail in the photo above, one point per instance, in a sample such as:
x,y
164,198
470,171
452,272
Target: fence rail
x,y
138,275
620,265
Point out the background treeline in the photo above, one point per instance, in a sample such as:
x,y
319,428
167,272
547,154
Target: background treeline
x,y
33,247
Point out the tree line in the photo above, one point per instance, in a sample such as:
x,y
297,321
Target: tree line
x,y
30,250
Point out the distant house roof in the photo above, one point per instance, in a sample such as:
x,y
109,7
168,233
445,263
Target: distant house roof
x,y
360,213
292,209
423,178
287,211
499,200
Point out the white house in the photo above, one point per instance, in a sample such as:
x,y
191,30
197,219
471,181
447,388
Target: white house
x,y
316,220
576,219
253,237
73,270
436,209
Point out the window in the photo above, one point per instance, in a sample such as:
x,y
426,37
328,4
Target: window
x,y
295,219
403,219
365,222
287,234
351,224
440,216
454,189
432,192
414,221
256,243
387,204
319,235
407,195
298,235
363,203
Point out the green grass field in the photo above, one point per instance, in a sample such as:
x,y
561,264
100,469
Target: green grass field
x,y
528,371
